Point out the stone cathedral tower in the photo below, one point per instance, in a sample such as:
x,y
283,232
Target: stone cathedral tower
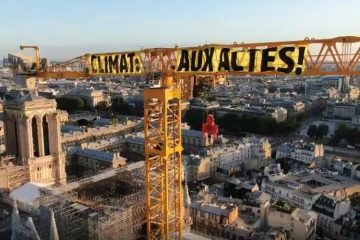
x,y
32,134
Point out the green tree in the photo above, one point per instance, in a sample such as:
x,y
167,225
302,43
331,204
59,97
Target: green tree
x,y
341,132
356,136
233,123
322,131
195,118
120,106
230,123
312,131
301,117
70,103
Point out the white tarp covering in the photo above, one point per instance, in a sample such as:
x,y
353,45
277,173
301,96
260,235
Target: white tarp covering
x,y
27,193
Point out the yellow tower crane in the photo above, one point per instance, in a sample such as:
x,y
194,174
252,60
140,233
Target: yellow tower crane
x,y
37,55
177,69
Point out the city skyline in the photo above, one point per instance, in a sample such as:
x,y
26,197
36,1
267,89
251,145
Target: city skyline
x,y
66,30
180,120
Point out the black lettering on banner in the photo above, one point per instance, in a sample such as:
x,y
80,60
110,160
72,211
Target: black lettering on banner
x,y
224,60
113,62
131,59
208,64
196,65
301,58
286,59
234,66
266,59
137,65
252,58
101,70
93,66
184,61
123,63
106,64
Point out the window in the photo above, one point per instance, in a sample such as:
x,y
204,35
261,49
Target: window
x,y
16,138
45,127
35,137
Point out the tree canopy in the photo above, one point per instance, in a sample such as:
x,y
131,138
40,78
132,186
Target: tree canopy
x,y
322,131
318,132
195,118
350,135
234,124
70,103
312,130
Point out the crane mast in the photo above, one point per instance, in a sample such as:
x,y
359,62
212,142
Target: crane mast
x,y
163,163
178,69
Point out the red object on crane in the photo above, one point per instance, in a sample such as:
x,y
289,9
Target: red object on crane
x,y
210,127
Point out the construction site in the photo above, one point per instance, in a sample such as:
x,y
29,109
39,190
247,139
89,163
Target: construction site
x,y
104,206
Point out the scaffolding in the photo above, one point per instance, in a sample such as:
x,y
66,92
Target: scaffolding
x,y
126,222
71,219
102,209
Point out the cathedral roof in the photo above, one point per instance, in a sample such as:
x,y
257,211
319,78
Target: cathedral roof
x,y
30,101
30,97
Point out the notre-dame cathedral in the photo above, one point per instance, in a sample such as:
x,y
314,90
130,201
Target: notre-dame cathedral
x,y
33,142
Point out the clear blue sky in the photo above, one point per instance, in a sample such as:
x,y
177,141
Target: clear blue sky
x,y
68,28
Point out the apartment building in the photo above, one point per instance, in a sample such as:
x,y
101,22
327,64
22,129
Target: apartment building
x,y
300,222
300,151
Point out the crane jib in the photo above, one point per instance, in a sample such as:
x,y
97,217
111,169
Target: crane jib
x,y
210,59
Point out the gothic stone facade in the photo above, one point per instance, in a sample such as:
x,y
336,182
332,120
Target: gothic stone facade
x,y
32,134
